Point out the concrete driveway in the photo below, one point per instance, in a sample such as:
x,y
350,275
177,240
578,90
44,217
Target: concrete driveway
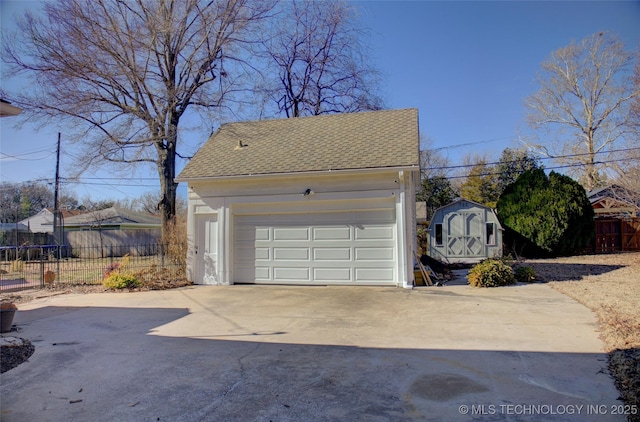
x,y
271,353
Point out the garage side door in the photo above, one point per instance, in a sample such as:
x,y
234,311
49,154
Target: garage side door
x,y
326,248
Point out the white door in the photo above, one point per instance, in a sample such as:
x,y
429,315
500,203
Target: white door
x,y
464,239
206,250
356,247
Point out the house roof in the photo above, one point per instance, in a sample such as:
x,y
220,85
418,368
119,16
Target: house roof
x,y
42,222
614,191
375,139
112,216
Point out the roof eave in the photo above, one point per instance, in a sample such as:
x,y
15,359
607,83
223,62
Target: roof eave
x,y
412,167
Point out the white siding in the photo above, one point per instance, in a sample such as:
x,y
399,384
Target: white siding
x,y
354,228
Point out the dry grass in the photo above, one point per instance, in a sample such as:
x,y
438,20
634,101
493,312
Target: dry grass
x,y
610,286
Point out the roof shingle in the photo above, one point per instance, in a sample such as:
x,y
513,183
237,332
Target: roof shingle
x,y
375,139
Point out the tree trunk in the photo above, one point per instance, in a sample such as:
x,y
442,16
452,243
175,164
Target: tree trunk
x,y
167,173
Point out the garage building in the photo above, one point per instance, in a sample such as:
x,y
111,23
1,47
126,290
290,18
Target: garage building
x,y
312,200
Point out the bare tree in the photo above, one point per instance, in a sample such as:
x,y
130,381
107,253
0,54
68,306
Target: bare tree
x,y
126,72
433,163
316,61
146,203
584,99
627,168
22,200
436,188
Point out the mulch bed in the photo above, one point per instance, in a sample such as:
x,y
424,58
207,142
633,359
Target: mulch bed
x,y
13,352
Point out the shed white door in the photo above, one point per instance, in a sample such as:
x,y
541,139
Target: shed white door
x,y
464,230
357,247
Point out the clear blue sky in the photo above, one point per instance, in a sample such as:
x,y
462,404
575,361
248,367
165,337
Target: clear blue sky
x,y
467,67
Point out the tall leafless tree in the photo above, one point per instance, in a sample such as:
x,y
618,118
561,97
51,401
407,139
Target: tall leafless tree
x,y
316,60
584,99
125,72
628,167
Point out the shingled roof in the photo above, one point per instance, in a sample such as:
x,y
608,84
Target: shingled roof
x,y
375,139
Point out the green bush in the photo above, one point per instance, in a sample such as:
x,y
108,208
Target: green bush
x,y
491,273
121,280
524,274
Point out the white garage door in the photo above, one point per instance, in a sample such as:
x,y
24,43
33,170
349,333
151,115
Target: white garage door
x,y
326,248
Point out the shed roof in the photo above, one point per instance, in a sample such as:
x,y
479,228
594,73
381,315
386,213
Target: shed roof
x,y
462,203
113,216
375,139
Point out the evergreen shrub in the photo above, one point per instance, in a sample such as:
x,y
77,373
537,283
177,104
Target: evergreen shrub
x,y
491,273
550,214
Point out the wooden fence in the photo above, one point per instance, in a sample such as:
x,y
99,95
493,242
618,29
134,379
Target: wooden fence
x,y
617,235
103,243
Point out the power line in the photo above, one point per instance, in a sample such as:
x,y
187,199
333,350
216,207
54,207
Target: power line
x,y
113,184
18,156
118,178
540,158
485,141
546,168
80,182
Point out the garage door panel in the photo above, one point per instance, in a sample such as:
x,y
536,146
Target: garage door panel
x,y
291,233
374,233
332,254
373,274
287,254
331,233
261,273
332,274
374,254
260,253
288,273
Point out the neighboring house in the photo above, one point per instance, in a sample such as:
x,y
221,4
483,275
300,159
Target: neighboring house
x,y
617,222
464,232
42,222
115,231
311,200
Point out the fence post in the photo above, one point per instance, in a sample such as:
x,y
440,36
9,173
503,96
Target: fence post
x,y
58,257
41,271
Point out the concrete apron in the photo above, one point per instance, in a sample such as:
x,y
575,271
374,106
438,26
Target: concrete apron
x,y
244,353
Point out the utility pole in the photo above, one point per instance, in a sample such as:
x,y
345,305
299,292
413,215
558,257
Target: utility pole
x,y
56,211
